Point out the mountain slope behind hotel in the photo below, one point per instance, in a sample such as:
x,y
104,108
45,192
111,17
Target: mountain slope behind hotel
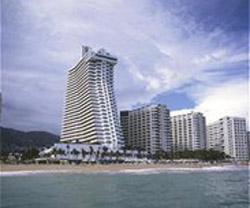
x,y
15,140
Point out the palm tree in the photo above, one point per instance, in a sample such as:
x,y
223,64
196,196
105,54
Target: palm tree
x,y
91,151
54,152
98,154
68,148
111,154
61,152
117,154
140,149
83,153
124,151
105,151
160,154
75,153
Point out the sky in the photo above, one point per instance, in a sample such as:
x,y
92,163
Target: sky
x,y
189,55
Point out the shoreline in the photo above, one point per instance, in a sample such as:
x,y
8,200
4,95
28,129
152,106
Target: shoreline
x,y
88,168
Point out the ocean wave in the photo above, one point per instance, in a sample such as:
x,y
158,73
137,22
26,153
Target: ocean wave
x,y
144,171
29,172
149,171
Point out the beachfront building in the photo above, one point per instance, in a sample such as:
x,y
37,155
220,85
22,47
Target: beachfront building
x,y
82,152
215,136
90,112
188,131
147,128
229,135
248,143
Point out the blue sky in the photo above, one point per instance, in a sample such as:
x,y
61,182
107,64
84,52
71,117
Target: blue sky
x,y
190,55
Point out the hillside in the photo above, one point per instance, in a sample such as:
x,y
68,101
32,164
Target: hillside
x,y
15,140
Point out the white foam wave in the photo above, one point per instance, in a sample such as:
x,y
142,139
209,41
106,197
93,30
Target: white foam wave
x,y
29,172
149,171
145,171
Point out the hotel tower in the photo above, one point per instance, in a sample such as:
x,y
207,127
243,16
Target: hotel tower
x,y
229,135
189,131
90,112
147,128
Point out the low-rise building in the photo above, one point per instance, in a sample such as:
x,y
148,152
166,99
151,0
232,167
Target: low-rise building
x,y
89,153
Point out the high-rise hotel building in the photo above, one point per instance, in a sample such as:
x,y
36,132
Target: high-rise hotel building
x,y
147,128
90,111
229,135
189,131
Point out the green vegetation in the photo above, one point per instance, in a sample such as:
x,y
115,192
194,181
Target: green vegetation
x,y
58,152
75,153
30,154
83,152
204,155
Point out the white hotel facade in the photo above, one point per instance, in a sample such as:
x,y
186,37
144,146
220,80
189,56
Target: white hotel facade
x,y
188,131
229,135
90,112
147,128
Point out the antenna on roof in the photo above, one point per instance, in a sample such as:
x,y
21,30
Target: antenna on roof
x,y
85,49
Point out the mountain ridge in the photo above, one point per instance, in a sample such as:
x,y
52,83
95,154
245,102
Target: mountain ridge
x,y
17,140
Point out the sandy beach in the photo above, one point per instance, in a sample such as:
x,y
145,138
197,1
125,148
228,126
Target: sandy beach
x,y
100,168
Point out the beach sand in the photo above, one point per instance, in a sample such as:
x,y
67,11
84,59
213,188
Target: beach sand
x,y
98,168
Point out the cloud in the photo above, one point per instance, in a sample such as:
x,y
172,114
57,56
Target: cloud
x,y
160,45
225,99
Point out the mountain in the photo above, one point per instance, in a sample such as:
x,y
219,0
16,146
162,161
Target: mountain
x,y
15,140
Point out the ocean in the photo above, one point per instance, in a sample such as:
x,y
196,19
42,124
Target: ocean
x,y
153,188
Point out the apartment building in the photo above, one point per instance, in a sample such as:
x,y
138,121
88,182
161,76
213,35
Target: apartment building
x,y
189,131
147,128
229,135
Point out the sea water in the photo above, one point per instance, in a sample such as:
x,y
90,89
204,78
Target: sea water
x,y
148,188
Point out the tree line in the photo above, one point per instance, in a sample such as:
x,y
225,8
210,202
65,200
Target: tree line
x,y
204,155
